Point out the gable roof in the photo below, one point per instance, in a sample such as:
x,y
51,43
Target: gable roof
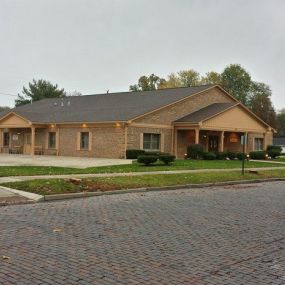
x,y
206,113
110,107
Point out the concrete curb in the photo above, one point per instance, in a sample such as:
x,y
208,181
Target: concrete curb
x,y
28,195
153,189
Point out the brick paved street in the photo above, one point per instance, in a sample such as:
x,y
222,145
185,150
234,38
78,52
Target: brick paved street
x,y
224,235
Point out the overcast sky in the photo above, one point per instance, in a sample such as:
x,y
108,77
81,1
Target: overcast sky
x,y
94,45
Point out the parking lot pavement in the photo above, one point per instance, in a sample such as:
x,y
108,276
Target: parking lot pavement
x,y
222,235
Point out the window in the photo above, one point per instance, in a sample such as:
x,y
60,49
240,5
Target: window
x,y
84,140
151,141
52,140
258,144
6,139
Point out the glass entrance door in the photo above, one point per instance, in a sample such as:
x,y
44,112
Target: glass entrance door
x,y
213,143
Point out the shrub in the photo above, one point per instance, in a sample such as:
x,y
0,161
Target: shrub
x,y
274,150
257,154
195,151
134,153
157,153
209,156
221,155
166,158
147,159
231,155
273,153
240,155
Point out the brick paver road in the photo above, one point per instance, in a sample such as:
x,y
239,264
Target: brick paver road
x,y
224,235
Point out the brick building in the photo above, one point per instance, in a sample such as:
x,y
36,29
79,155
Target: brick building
x,y
105,125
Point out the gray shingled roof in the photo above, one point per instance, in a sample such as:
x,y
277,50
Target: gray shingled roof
x,y
207,112
279,141
103,107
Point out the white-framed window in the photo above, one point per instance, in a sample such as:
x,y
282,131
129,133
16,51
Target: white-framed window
x,y
151,141
84,140
6,139
52,140
258,144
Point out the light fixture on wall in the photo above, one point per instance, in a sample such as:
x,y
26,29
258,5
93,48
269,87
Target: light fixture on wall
x,y
118,125
84,126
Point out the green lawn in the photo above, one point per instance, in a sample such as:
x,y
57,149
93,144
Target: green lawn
x,y
179,164
60,186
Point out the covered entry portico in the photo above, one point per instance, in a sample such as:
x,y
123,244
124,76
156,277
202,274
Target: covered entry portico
x,y
19,136
220,127
211,140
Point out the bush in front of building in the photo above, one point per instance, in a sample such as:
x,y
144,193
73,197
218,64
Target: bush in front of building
x,y
257,154
147,159
231,155
273,151
221,155
195,151
209,156
240,155
167,158
134,153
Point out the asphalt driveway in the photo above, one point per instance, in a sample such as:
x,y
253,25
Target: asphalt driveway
x,y
223,235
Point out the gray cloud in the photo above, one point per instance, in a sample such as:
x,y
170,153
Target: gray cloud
x,y
92,46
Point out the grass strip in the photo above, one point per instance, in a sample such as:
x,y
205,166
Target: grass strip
x,y
61,186
179,164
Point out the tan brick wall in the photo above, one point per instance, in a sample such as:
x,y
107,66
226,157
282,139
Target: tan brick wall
x,y
169,114
134,137
267,140
106,142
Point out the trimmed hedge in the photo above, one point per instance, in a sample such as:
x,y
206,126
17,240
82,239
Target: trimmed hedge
x,y
221,155
240,155
209,156
257,154
274,150
147,159
167,158
134,153
231,155
195,151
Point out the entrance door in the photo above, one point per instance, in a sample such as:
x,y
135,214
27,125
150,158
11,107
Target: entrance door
x,y
213,143
27,143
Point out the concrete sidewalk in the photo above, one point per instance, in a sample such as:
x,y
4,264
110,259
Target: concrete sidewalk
x,y
91,175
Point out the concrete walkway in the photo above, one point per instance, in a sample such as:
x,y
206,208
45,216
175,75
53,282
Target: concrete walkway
x,y
59,161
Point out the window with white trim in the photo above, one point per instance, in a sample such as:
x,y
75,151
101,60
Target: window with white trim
x,y
84,140
151,141
258,144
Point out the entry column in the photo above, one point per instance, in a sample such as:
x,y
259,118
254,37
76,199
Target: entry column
x,y
221,141
197,131
33,139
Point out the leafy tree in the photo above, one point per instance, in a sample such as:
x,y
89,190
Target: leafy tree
x,y
147,83
211,77
38,90
4,108
237,81
280,118
172,81
189,78
260,103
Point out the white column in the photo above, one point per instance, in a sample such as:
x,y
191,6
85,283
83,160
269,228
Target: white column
x,y
197,136
221,142
33,139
